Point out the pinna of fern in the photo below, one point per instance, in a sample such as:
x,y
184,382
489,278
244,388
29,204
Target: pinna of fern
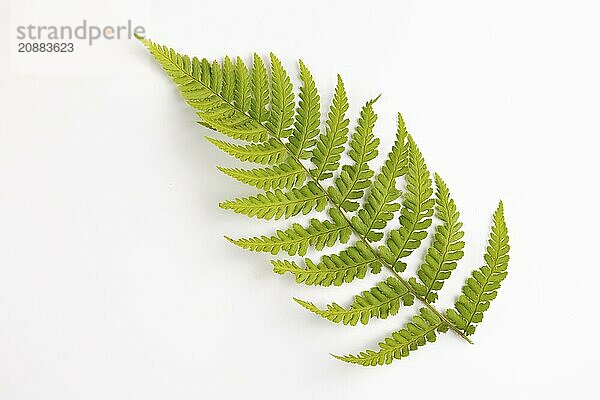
x,y
256,107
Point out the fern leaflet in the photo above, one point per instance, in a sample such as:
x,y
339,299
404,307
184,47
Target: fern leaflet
x,y
308,116
446,249
380,204
297,239
260,90
383,300
336,269
281,176
417,209
269,152
421,329
354,179
482,287
282,101
327,153
277,203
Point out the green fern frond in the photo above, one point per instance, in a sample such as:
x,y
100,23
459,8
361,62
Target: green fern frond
x,y
336,269
284,132
308,116
421,329
381,301
327,153
446,248
380,204
482,287
417,209
281,176
297,239
277,204
354,179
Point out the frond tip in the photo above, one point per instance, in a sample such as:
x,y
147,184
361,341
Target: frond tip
x,y
194,83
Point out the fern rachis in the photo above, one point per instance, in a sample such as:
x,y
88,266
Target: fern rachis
x,y
249,105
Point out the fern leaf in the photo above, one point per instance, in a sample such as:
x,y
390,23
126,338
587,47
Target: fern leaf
x,y
417,209
421,329
381,301
205,75
351,263
482,287
282,102
249,105
213,109
327,153
242,96
281,176
354,178
260,90
216,77
228,89
446,248
380,204
277,204
269,152
308,116
297,239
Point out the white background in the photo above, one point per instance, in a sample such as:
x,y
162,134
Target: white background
x,y
115,282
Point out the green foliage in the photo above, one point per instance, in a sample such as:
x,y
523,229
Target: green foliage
x,y
308,117
284,175
282,100
482,287
297,239
415,216
327,153
260,91
269,152
277,203
380,204
354,178
381,301
445,251
304,175
241,94
352,263
421,329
